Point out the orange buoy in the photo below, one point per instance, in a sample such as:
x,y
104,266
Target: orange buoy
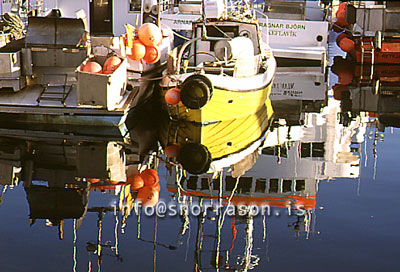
x,y
172,96
347,44
157,187
337,91
341,36
111,64
138,50
135,181
172,150
93,180
150,177
150,34
341,18
152,54
341,7
345,76
148,196
92,67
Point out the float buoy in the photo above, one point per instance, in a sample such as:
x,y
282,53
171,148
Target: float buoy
x,y
172,150
150,34
149,176
92,67
337,91
345,76
196,91
172,96
341,36
135,181
93,180
152,54
341,19
148,196
138,50
347,44
111,64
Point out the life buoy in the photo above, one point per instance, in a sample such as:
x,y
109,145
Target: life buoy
x,y
196,91
195,158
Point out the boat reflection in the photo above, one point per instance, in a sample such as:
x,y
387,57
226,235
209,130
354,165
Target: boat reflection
x,y
370,89
240,174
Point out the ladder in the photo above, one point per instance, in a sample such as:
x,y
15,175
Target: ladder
x,y
367,58
367,52
55,91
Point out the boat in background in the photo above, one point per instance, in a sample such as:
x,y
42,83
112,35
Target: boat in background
x,y
371,31
373,90
43,76
298,30
223,72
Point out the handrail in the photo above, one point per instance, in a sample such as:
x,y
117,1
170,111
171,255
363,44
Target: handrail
x,y
178,66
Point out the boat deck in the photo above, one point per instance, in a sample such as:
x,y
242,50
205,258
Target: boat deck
x,y
58,103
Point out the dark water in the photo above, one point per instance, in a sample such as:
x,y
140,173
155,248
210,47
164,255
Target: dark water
x,y
325,172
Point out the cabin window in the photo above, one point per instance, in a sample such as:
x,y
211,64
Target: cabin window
x,y
273,185
245,184
135,5
229,183
216,184
261,184
280,151
287,185
205,183
192,183
300,185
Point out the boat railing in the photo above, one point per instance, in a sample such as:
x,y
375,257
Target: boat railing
x,y
184,46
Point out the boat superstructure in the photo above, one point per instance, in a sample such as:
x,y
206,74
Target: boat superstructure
x,y
223,72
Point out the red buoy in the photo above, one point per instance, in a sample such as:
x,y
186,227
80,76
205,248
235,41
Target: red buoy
x,y
152,54
172,96
137,51
135,181
111,64
150,177
341,7
148,196
92,67
337,91
341,18
341,36
172,150
347,44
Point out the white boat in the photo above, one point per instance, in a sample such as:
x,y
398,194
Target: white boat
x,y
298,30
41,77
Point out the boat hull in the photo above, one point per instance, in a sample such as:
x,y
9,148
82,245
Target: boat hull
x,y
225,105
231,97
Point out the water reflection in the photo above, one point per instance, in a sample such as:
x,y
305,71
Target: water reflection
x,y
242,175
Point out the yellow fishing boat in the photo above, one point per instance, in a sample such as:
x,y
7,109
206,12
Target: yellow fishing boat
x,y
223,72
203,148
